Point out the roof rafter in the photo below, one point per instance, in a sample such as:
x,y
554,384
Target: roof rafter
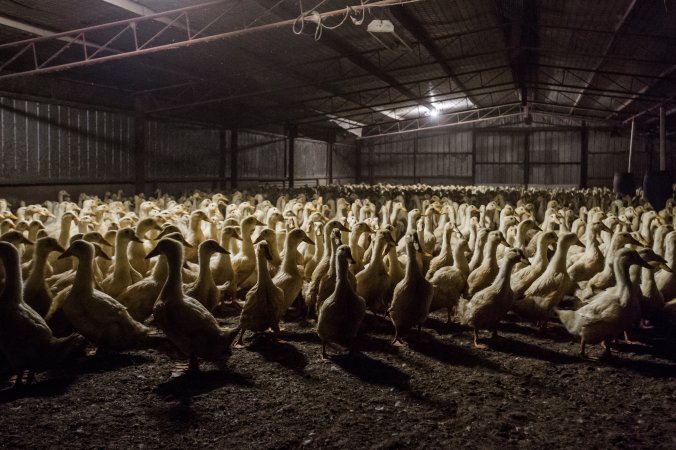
x,y
413,26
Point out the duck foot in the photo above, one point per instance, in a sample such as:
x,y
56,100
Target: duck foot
x,y
631,342
476,341
240,342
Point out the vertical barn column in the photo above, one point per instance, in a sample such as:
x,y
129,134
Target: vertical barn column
x,y
584,154
292,134
234,150
357,165
222,155
526,159
329,156
663,138
139,146
473,156
415,157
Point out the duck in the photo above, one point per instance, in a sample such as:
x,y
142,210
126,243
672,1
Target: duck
x,y
311,265
665,280
412,296
592,260
373,281
244,262
36,293
601,319
97,316
195,236
26,341
137,251
221,264
445,256
204,289
605,278
341,314
491,304
478,249
289,278
522,279
139,298
311,289
123,274
263,302
484,275
549,288
184,320
449,282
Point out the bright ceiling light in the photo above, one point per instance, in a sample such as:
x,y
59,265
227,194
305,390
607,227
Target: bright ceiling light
x,y
434,112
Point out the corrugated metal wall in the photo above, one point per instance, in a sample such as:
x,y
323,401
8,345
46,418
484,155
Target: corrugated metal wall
x,y
553,157
52,144
411,158
344,163
55,145
310,162
175,151
499,157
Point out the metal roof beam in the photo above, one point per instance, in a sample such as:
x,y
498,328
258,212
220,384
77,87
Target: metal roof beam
x,y
413,26
639,95
620,23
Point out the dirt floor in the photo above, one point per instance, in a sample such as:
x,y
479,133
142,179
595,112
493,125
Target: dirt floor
x,y
528,390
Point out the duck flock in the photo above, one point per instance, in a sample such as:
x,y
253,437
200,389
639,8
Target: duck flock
x,y
119,274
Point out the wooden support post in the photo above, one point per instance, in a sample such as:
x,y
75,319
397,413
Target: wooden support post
x,y
663,138
415,157
526,159
584,155
234,150
473,156
357,159
222,155
329,156
292,134
139,147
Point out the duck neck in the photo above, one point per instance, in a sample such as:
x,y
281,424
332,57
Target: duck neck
x,y
37,274
173,287
341,275
121,259
502,280
64,234
541,253
490,251
13,291
84,276
204,276
290,250
559,258
521,231
395,268
354,246
460,260
412,269
247,244
196,229
160,270
263,272
623,277
377,253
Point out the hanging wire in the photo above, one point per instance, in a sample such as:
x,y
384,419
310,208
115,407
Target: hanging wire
x,y
315,17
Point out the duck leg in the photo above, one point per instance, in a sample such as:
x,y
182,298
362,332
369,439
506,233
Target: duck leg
x,y
325,357
606,352
240,340
582,347
397,342
194,364
476,340
494,334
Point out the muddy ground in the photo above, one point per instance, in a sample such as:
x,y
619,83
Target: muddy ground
x,y
528,390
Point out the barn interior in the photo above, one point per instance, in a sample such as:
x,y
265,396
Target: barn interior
x,y
456,170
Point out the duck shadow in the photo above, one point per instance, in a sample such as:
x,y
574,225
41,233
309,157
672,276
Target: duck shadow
x,y
447,353
372,371
646,368
50,387
554,333
370,343
108,362
190,384
442,327
283,353
523,349
308,337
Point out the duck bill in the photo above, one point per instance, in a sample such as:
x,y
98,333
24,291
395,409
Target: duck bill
x,y
65,254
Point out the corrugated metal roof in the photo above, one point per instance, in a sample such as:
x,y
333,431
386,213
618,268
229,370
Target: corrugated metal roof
x,y
604,57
